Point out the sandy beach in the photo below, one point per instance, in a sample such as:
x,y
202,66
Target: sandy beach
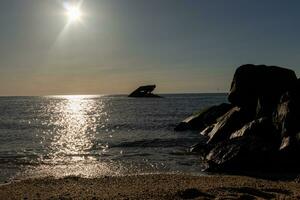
x,y
156,186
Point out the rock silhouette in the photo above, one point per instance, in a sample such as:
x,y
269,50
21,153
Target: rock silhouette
x,y
260,87
203,119
144,91
227,124
260,130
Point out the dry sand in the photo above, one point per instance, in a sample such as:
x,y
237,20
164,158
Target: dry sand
x,y
159,186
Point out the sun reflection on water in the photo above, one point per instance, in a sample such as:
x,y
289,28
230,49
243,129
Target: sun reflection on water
x,y
73,121
76,128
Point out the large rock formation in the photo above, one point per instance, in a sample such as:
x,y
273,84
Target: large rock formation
x,y
261,129
144,91
260,86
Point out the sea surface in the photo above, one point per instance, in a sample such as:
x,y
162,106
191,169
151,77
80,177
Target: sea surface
x,y
92,136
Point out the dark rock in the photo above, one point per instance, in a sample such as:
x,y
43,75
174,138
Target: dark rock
x,y
286,119
207,130
290,143
233,120
260,130
242,153
289,153
203,119
144,91
262,127
184,125
201,148
255,145
259,83
288,157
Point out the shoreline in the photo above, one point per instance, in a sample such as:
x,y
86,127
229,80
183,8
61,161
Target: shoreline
x,y
151,186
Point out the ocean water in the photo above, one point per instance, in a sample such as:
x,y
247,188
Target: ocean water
x,y
92,136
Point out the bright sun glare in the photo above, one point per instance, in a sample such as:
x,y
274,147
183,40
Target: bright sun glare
x,y
73,13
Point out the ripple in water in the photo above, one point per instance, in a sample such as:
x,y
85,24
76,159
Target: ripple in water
x,y
92,136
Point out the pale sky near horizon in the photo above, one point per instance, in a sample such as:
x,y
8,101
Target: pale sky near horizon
x,y
179,45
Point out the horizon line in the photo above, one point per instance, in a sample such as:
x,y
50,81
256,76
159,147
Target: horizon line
x,y
117,94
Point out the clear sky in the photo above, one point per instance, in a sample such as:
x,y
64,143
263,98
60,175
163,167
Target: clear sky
x,y
180,45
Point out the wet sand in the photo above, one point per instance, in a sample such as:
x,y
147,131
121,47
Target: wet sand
x,y
157,186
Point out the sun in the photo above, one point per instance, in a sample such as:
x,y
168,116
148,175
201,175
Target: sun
x,y
73,13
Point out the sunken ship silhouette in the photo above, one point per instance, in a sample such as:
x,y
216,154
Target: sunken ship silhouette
x,y
144,91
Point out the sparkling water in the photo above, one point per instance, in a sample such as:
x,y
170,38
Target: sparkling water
x,y
92,136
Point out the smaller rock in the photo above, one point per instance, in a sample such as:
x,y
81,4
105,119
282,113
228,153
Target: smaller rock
x,y
255,145
207,130
286,117
288,159
203,119
286,120
200,148
285,143
233,120
261,127
290,146
243,153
